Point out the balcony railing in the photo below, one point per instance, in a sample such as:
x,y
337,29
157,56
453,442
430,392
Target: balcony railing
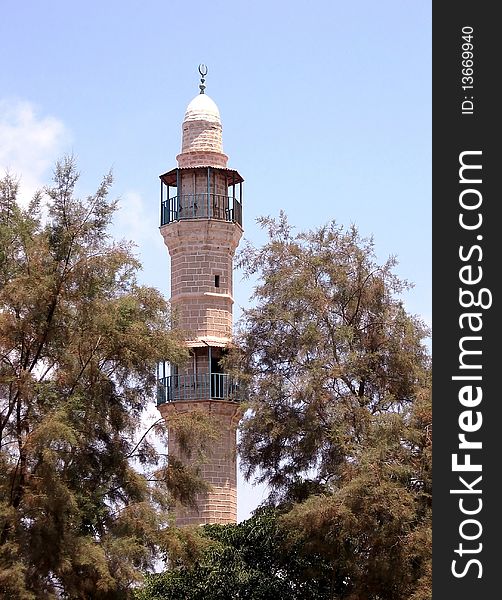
x,y
201,206
214,386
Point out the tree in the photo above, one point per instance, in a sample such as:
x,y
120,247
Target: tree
x,y
374,526
250,560
338,381
83,496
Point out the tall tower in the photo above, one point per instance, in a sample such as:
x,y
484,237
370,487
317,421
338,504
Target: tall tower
x,y
201,223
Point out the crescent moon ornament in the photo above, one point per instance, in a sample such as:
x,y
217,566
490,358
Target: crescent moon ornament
x,y
203,73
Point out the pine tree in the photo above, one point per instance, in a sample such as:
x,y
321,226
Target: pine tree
x,y
83,496
338,426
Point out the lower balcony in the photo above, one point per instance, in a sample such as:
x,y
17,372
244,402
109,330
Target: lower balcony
x,y
207,386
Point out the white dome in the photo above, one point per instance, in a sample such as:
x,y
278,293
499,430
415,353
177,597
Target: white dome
x,y
202,108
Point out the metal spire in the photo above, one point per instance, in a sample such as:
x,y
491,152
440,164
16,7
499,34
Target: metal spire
x,y
203,73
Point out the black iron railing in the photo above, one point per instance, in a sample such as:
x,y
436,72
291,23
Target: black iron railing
x,y
215,386
201,206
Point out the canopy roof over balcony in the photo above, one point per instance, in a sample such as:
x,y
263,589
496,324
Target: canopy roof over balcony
x,y
209,341
170,178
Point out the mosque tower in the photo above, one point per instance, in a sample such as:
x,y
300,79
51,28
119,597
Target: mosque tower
x,y
201,223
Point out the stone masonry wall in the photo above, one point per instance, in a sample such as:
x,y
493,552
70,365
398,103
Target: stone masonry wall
x,y
219,469
202,144
201,250
201,135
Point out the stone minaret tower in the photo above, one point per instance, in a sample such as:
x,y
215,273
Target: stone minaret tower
x,y
201,223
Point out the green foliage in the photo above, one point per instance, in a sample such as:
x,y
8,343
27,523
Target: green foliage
x,y
326,348
339,417
374,526
250,560
79,341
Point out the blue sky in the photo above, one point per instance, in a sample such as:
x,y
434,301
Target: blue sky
x,y
326,111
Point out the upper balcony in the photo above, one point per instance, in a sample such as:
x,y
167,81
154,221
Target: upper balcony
x,y
201,206
201,193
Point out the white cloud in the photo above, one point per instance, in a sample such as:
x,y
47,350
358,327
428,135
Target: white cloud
x,y
30,144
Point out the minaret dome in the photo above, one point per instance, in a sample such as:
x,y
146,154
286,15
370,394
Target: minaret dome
x,y
202,142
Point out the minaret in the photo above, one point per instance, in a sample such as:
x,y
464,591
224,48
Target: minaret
x,y
201,223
